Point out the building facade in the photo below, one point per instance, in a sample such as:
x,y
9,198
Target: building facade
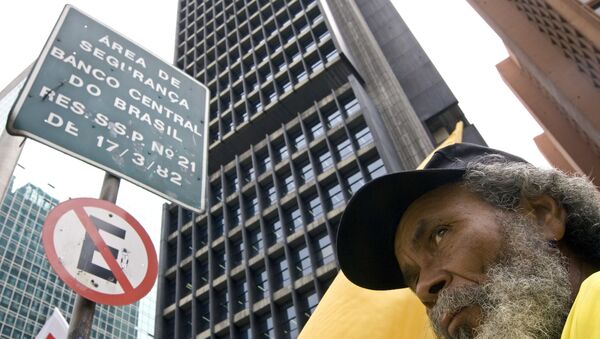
x,y
29,288
554,68
310,99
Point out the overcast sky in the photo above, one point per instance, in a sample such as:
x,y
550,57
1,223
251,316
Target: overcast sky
x,y
463,48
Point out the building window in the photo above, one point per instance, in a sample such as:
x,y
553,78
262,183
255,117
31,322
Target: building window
x,y
363,136
234,215
299,140
355,181
344,148
222,301
333,118
289,324
256,240
217,226
302,263
237,252
240,290
242,116
376,168
244,332
248,173
203,317
203,272
287,86
300,75
202,234
219,260
265,327
351,106
275,233
288,183
306,171
282,151
317,65
251,205
316,129
323,248
294,217
217,191
270,194
227,124
310,300
260,281
214,134
334,193
314,206
264,162
186,245
232,183
325,159
282,273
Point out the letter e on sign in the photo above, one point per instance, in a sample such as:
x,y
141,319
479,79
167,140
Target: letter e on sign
x,y
100,251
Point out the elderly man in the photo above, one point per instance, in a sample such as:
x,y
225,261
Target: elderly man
x,y
493,246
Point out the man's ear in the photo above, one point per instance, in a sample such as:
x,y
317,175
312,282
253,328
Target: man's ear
x,y
548,213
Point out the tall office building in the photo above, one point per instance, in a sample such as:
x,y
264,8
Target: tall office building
x,y
554,68
310,99
29,289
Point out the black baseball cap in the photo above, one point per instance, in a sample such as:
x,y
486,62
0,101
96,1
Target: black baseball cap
x,y
365,239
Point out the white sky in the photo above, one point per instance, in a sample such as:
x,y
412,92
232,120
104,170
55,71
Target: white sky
x,y
463,48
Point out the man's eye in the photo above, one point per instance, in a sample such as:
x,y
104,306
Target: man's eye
x,y
439,233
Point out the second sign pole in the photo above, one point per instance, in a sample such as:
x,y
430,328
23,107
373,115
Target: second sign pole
x,y
80,326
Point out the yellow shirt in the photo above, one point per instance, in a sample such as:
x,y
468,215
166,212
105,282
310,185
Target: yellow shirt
x,y
584,318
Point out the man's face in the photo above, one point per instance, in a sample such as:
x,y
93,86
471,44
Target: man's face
x,y
479,271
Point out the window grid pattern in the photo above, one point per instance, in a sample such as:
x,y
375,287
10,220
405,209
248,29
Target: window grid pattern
x,y
266,205
279,206
250,53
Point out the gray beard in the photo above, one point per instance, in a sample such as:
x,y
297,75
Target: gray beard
x,y
528,294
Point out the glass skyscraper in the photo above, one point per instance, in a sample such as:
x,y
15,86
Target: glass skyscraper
x,y
29,289
310,99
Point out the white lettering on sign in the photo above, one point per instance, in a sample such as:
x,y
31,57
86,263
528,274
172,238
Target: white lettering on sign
x,y
56,120
80,65
105,40
62,100
158,88
92,89
165,76
163,110
107,101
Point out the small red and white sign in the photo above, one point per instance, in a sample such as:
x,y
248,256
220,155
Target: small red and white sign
x,y
56,327
100,251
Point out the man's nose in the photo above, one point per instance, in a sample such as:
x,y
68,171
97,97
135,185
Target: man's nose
x,y
430,284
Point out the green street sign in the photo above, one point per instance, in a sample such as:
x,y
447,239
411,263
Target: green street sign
x,y
99,97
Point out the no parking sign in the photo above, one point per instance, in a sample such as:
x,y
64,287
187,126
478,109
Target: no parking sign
x,y
100,251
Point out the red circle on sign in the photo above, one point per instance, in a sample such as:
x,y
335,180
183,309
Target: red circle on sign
x,y
128,297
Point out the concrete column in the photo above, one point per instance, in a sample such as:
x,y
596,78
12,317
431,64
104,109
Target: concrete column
x,y
408,135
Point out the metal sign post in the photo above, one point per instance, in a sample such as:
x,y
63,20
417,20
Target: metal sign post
x,y
101,252
83,309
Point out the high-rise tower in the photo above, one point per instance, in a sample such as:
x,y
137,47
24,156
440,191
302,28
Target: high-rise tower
x,y
310,99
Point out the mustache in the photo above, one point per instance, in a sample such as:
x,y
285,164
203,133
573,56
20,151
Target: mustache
x,y
451,301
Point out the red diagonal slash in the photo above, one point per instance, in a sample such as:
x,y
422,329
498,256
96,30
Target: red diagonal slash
x,y
101,246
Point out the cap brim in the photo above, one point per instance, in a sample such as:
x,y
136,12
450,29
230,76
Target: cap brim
x,y
365,239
